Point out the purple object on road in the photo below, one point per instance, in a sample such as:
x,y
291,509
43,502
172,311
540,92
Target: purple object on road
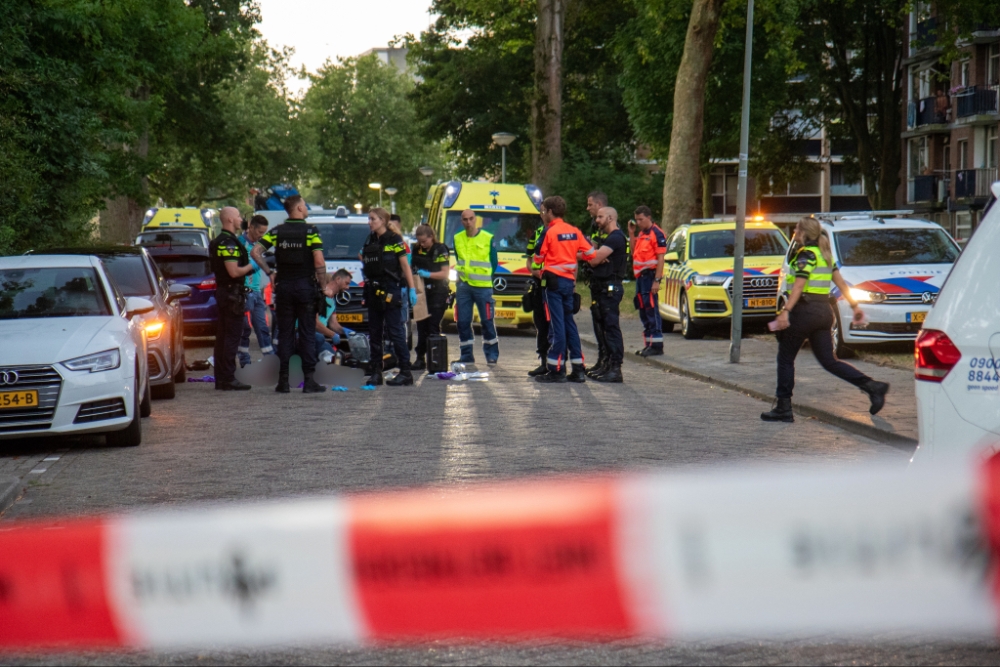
x,y
204,378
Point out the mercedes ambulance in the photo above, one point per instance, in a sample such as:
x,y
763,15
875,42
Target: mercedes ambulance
x,y
164,219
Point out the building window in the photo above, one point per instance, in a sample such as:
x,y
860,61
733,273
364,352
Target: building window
x,y
963,154
965,73
918,157
810,185
963,225
991,147
840,185
993,65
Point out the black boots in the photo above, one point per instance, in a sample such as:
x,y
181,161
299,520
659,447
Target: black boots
x,y
599,368
651,352
876,393
781,411
375,380
235,385
419,364
541,370
403,379
283,387
579,374
310,386
612,374
552,376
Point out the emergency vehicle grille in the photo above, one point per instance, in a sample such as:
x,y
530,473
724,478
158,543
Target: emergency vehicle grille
x,y
758,287
913,298
891,327
154,365
112,408
511,284
43,379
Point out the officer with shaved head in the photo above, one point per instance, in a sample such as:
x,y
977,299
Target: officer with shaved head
x,y
231,264
610,265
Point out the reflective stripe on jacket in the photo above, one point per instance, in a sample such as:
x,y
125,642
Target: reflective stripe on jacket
x,y
472,258
810,264
650,245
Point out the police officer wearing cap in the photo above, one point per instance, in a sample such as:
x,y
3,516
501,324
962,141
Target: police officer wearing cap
x,y
231,264
609,267
301,275
808,315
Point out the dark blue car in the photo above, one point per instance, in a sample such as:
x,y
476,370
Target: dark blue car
x,y
189,265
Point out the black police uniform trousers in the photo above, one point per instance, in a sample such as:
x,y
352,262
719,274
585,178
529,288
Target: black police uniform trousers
x,y
431,325
387,321
606,312
296,299
812,321
228,332
540,318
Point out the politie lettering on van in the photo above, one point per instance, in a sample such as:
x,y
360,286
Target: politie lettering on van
x,y
512,214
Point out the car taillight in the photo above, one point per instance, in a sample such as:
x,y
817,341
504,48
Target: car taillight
x,y
208,283
935,355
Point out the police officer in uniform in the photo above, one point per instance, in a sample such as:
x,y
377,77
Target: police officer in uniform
x,y
388,282
610,264
231,264
539,315
808,315
596,200
301,275
430,260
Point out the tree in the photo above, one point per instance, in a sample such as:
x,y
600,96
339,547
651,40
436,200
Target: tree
x,y
365,129
546,103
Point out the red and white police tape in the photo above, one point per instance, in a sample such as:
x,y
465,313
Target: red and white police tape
x,y
761,552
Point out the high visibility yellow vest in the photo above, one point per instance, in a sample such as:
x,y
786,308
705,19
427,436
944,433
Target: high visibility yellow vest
x,y
820,279
472,258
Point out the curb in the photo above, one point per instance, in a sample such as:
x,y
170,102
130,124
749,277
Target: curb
x,y
850,425
9,490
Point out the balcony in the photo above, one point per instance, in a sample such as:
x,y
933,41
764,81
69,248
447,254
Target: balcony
x,y
977,100
974,183
926,111
927,189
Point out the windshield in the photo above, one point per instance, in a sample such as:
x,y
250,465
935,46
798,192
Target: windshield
x,y
343,240
129,274
167,239
873,247
511,231
184,266
721,243
54,292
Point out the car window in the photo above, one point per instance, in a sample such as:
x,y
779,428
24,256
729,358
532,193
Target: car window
x,y
874,247
129,274
511,231
677,242
183,266
51,292
722,243
343,240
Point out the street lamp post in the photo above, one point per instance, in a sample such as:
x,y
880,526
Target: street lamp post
x,y
357,207
377,186
736,334
392,202
427,172
503,140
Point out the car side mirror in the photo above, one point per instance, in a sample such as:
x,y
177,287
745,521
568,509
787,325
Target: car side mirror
x,y
176,291
671,258
135,305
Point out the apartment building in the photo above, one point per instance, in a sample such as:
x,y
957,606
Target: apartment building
x,y
952,119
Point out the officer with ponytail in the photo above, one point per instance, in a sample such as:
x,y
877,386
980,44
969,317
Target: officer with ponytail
x,y
808,315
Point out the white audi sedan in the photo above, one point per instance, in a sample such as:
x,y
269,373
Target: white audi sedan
x,y
73,356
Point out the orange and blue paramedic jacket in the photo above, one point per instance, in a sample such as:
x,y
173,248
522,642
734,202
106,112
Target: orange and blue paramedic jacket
x,y
559,248
650,245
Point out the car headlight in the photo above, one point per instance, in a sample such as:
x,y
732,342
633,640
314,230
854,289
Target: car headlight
x,y
864,296
153,329
453,275
102,361
709,280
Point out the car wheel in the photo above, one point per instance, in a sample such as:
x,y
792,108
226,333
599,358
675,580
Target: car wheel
x,y
689,329
146,407
131,435
840,348
181,374
165,391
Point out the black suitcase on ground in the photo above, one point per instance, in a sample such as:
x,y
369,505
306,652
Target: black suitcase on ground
x,y
437,354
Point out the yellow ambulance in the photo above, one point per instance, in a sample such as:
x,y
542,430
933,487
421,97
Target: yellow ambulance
x,y
511,213
162,219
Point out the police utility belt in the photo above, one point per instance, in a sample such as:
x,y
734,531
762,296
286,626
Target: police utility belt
x,y
232,298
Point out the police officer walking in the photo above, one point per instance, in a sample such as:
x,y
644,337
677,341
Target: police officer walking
x,y
475,263
301,275
231,264
430,259
609,266
808,315
388,282
555,262
649,245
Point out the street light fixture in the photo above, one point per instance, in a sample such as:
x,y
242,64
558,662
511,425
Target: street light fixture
x,y
503,140
427,172
357,207
392,202
377,186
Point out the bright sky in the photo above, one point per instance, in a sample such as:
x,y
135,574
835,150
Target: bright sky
x,y
321,29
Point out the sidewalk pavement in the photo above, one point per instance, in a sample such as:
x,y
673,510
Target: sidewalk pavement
x,y
817,393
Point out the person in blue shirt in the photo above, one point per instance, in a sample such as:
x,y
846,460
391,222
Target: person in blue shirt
x,y
328,330
256,307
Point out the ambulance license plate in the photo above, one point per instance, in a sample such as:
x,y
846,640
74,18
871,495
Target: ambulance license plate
x,y
760,303
354,318
506,314
916,318
12,400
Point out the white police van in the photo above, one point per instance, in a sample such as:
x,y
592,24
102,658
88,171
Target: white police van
x,y
895,267
343,235
958,354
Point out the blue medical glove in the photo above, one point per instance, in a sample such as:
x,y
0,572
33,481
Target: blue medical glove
x,y
347,332
423,273
413,298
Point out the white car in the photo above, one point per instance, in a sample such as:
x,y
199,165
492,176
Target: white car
x,y
958,354
895,268
73,358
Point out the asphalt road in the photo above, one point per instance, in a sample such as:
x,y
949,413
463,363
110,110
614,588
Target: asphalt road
x,y
207,445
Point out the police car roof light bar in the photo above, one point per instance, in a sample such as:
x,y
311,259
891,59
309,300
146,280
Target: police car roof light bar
x,y
861,215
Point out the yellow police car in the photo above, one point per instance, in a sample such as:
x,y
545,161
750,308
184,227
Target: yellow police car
x,y
511,213
697,287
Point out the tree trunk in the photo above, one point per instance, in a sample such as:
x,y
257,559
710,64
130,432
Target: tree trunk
x,y
707,210
121,218
681,178
546,108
